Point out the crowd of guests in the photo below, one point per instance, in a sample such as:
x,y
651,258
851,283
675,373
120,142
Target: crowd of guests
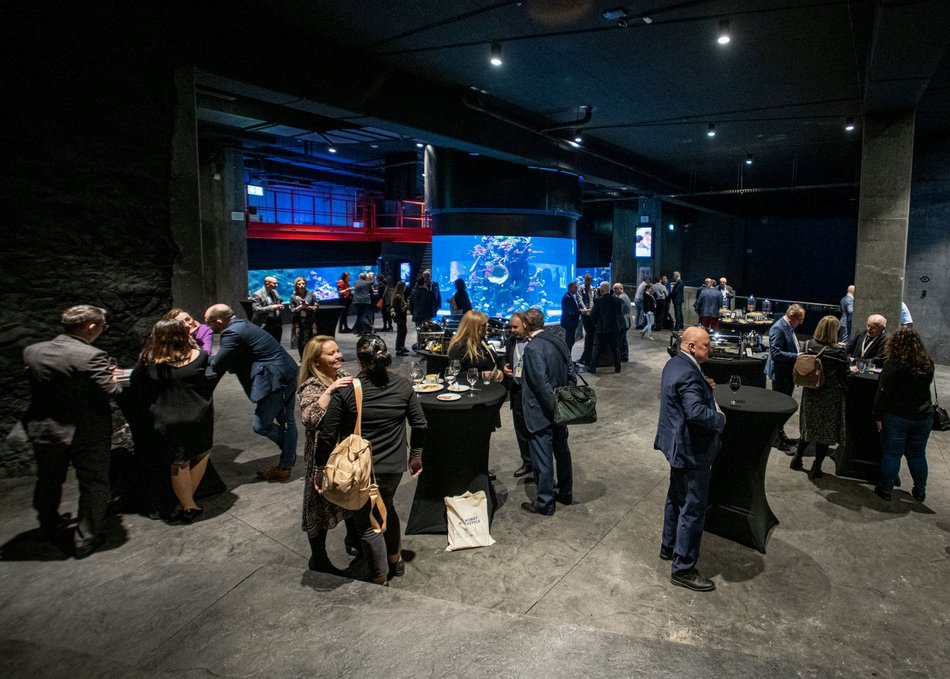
x,y
168,401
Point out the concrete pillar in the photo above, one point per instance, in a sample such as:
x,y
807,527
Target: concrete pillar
x,y
623,262
883,208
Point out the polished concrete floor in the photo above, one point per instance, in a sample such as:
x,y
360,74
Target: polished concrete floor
x,y
851,586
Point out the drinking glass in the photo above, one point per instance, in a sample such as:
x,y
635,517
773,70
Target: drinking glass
x,y
450,375
415,372
735,382
455,365
471,377
487,377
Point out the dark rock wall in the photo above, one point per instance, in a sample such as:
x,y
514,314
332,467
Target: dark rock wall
x,y
86,137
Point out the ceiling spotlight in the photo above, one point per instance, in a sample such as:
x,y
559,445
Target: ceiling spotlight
x,y
331,150
614,14
725,34
711,130
578,138
672,226
849,125
647,20
374,146
573,144
748,159
496,54
419,144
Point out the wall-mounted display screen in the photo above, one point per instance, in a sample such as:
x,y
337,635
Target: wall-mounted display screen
x,y
504,274
321,279
644,242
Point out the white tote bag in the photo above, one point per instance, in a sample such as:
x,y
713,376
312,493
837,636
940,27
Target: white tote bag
x,y
468,521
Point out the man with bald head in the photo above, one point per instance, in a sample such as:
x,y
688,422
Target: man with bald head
x,y
266,306
688,435
268,375
869,345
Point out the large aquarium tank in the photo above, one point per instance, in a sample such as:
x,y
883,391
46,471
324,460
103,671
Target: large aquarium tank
x,y
504,274
321,279
598,273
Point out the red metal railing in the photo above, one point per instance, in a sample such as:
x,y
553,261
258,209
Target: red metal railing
x,y
306,214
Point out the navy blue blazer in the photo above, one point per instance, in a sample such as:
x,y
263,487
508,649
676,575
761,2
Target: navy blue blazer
x,y
676,292
261,365
546,364
570,312
707,302
782,350
689,426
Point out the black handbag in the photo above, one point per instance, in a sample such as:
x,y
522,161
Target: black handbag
x,y
941,420
575,404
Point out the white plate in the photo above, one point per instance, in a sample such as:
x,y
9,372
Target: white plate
x,y
459,387
426,388
448,397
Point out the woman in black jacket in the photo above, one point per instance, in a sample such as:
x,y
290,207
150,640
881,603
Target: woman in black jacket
x,y
903,411
470,349
388,403
399,306
460,302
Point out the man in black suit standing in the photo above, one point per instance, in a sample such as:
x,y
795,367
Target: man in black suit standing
x,y
69,420
514,352
570,314
608,322
676,299
546,365
268,375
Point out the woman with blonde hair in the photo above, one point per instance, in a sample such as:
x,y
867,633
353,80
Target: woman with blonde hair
x,y
822,415
321,374
470,348
903,411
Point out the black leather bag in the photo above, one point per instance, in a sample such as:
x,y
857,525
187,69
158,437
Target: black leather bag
x,y
941,418
575,404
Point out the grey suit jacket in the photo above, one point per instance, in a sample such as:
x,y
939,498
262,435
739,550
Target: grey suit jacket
x,y
70,386
260,300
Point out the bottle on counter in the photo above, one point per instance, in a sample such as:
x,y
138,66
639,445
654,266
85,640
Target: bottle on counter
x,y
767,308
750,303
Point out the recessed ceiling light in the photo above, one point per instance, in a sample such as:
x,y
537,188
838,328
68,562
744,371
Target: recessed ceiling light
x,y
496,54
711,130
748,159
849,125
419,144
573,143
725,34
578,138
331,150
374,146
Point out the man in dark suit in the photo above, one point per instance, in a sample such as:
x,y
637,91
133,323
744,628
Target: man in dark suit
x,y
513,374
707,305
585,302
783,350
676,299
846,331
869,345
608,324
546,365
570,314
265,308
268,375
688,434
69,420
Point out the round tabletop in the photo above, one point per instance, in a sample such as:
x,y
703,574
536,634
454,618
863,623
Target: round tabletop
x,y
754,400
490,395
868,376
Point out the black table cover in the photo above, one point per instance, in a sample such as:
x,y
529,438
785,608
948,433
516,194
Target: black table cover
x,y
455,456
860,455
750,370
738,508
328,319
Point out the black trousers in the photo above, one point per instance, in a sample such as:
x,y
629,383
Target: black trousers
x,y
377,546
610,340
274,327
401,331
786,385
588,340
570,332
89,455
521,429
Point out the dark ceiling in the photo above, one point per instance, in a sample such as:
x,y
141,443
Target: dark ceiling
x,y
387,74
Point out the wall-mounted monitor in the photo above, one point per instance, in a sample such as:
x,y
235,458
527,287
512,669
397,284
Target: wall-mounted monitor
x,y
320,279
504,274
644,247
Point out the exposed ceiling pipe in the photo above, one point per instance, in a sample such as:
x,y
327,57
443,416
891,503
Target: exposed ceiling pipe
x,y
771,189
472,101
580,122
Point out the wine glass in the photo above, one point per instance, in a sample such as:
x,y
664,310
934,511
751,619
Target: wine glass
x,y
450,375
415,372
471,377
735,382
455,365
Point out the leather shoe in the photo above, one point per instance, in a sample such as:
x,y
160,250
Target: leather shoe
x,y
565,499
523,470
89,546
881,493
532,509
666,553
274,473
784,447
692,580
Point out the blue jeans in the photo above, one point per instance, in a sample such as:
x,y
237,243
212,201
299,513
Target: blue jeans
x,y
638,303
274,418
901,436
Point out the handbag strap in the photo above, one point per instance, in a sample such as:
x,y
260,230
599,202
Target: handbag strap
x,y
358,393
933,382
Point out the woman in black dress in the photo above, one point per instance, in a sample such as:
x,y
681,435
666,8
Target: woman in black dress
x,y
303,304
173,394
459,302
400,305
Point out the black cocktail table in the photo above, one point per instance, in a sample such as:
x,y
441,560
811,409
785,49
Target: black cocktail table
x,y
455,456
860,455
750,370
738,508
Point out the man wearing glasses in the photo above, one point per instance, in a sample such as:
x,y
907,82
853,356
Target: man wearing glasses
x,y
69,420
869,345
